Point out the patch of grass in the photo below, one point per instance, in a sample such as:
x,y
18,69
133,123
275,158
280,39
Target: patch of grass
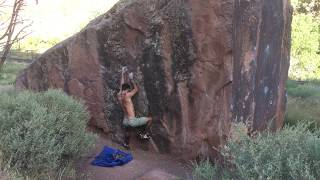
x,y
205,170
9,73
303,103
6,88
292,84
303,89
303,110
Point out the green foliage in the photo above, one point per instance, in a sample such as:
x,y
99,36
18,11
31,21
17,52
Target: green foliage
x,y
9,73
292,153
305,62
307,6
41,134
304,37
205,170
305,49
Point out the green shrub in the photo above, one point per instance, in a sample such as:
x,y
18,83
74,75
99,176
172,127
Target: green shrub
x,y
41,134
292,153
9,73
205,170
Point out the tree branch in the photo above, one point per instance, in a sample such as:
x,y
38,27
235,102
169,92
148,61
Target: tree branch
x,y
10,34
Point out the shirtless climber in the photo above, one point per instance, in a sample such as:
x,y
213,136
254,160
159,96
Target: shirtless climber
x,y
124,98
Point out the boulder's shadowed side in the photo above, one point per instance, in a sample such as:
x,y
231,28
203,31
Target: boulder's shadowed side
x,y
200,65
261,61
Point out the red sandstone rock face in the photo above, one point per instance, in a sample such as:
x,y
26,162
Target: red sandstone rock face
x,y
261,62
200,65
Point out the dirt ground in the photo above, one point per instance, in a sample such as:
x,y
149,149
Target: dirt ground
x,y
2,176
142,163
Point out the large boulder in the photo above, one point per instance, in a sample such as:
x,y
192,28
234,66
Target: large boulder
x,y
200,65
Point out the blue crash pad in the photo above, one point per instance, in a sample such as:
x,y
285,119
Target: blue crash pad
x,y
110,157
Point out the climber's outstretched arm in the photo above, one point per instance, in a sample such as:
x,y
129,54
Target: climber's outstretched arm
x,y
123,71
135,87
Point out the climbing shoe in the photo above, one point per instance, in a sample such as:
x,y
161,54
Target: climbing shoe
x,y
144,136
126,146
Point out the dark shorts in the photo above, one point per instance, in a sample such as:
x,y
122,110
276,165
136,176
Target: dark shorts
x,y
135,122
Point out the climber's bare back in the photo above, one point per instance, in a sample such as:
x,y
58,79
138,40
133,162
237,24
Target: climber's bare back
x,y
126,104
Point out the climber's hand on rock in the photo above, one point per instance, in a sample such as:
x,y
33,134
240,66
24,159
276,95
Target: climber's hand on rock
x,y
131,76
124,69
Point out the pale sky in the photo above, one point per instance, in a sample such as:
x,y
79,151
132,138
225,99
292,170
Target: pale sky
x,y
62,18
